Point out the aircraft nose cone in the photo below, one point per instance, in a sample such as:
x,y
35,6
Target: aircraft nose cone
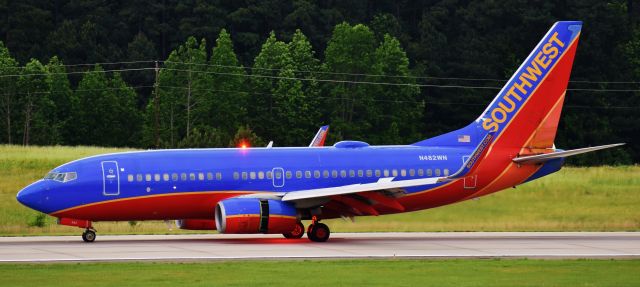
x,y
32,196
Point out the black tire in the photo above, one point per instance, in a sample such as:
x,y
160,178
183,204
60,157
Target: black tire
x,y
89,236
296,233
318,232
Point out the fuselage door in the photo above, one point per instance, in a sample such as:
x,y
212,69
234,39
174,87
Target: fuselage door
x,y
278,177
110,178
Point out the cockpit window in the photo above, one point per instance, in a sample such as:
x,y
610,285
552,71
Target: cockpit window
x,y
69,176
61,176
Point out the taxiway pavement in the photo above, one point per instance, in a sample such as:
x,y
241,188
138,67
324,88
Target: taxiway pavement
x,y
551,245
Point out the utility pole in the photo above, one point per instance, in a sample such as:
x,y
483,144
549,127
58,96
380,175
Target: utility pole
x,y
156,100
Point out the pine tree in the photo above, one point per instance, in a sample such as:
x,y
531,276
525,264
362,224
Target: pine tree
x,y
399,105
351,51
8,89
36,108
63,98
227,103
183,85
272,59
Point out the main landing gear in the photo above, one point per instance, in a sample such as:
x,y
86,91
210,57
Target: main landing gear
x,y
89,235
316,232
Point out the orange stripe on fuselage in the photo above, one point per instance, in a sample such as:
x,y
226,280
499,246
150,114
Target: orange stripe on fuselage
x,y
177,205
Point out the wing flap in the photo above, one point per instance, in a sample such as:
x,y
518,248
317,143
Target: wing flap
x,y
381,184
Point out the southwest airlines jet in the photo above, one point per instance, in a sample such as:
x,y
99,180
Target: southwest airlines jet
x,y
272,189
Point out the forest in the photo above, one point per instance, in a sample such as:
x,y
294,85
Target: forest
x,y
180,74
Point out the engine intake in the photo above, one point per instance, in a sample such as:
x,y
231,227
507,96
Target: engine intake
x,y
253,215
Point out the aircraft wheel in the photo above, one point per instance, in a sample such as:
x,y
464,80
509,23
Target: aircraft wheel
x,y
318,232
89,235
296,233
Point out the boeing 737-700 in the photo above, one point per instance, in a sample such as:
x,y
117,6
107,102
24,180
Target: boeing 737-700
x,y
272,189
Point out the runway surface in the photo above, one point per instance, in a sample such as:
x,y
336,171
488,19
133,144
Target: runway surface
x,y
551,245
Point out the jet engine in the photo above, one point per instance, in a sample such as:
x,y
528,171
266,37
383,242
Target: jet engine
x,y
254,215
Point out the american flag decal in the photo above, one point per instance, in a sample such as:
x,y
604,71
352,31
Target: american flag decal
x,y
464,138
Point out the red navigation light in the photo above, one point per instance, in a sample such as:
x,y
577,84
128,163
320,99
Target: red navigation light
x,y
243,144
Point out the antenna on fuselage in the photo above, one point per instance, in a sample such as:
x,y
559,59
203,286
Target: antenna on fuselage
x,y
270,145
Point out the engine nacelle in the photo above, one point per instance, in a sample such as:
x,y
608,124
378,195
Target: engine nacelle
x,y
254,215
196,224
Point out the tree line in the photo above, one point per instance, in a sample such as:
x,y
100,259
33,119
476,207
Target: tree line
x,y
206,98
410,70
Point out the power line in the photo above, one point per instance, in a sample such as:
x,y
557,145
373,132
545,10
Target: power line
x,y
388,76
316,72
394,101
307,79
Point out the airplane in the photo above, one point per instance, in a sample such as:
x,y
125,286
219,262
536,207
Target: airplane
x,y
271,190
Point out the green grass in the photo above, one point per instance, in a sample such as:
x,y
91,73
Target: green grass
x,y
575,199
457,273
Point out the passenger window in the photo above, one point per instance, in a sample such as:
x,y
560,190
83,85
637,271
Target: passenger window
x,y
156,177
218,175
288,173
183,176
192,176
138,177
343,173
369,173
325,174
130,178
307,173
147,177
209,176
386,173
244,175
412,172
261,175
446,172
360,173
298,174
236,175
377,173
352,173
165,177
403,172
316,174
200,176
269,175
420,172
252,175
174,176
428,172
334,173
437,172
394,172
278,174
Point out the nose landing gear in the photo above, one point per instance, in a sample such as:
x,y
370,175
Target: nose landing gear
x,y
89,235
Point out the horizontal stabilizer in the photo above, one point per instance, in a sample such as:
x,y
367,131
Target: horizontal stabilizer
x,y
533,159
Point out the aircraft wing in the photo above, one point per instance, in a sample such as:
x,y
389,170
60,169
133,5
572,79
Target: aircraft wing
x,y
366,198
540,158
321,135
382,184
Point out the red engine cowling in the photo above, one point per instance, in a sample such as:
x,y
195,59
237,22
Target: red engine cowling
x,y
253,215
196,224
